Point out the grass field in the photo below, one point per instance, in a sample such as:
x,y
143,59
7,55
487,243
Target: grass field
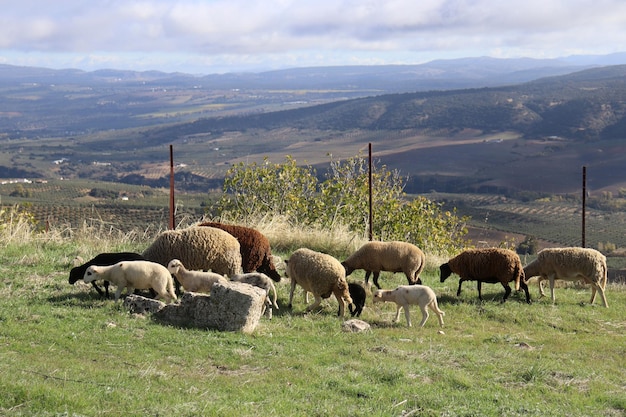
x,y
66,352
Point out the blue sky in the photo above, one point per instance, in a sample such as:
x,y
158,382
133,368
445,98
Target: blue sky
x,y
217,36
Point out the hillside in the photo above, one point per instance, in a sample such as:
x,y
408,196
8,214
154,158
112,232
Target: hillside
x,y
533,136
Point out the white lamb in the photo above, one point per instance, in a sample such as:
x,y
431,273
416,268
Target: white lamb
x,y
570,264
260,280
194,281
406,295
141,275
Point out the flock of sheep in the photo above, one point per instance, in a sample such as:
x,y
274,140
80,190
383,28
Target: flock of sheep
x,y
211,252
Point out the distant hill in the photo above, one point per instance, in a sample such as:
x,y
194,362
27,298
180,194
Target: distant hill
x,y
509,137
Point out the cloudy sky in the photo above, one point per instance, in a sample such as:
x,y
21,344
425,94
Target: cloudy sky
x,y
217,36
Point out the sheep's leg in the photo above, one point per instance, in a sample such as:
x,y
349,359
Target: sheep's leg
x,y
407,315
541,279
479,286
291,290
118,292
424,314
342,305
434,307
316,303
367,277
458,292
376,275
398,307
596,287
524,286
507,291
551,278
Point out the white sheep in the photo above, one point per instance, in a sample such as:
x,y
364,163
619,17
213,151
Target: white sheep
x,y
194,281
406,295
263,281
393,256
570,264
319,274
141,275
198,248
490,265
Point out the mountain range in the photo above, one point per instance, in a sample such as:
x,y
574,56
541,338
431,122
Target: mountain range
x,y
478,124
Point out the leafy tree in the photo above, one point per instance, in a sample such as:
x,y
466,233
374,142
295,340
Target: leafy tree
x,y
253,190
529,246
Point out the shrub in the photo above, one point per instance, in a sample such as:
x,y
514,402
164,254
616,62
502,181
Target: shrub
x,y
295,193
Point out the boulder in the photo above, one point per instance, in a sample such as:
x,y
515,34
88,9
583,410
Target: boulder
x,y
355,326
137,304
231,306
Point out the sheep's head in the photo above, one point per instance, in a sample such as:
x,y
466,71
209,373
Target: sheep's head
x,y
174,266
445,272
91,274
378,296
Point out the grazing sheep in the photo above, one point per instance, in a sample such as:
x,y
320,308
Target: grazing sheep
x,y
491,265
142,275
259,279
256,254
406,295
319,274
194,281
103,259
387,256
570,264
358,295
198,248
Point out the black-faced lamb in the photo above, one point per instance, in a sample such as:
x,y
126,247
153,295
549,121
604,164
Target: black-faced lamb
x,y
198,248
394,256
256,254
358,295
133,275
571,264
194,281
406,295
319,274
490,265
103,259
259,279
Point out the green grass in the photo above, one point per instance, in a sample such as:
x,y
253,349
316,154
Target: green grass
x,y
64,351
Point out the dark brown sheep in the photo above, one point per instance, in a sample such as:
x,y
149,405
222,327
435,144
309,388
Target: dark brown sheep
x,y
256,254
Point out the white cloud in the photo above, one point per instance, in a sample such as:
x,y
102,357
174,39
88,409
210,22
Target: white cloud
x,y
270,33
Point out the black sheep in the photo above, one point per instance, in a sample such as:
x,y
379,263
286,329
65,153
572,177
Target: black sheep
x,y
103,259
358,295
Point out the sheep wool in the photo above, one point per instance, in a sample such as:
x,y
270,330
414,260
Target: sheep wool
x,y
570,264
141,275
194,281
319,274
256,253
490,265
198,248
394,256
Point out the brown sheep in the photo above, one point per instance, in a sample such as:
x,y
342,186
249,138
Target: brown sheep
x,y
491,265
256,254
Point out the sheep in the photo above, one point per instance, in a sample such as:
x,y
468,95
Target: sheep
x,y
491,265
320,274
194,281
387,256
570,264
256,254
198,248
103,259
406,295
259,279
135,274
358,295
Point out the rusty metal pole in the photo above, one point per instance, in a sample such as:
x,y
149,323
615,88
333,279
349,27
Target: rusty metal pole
x,y
171,222
584,202
371,216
